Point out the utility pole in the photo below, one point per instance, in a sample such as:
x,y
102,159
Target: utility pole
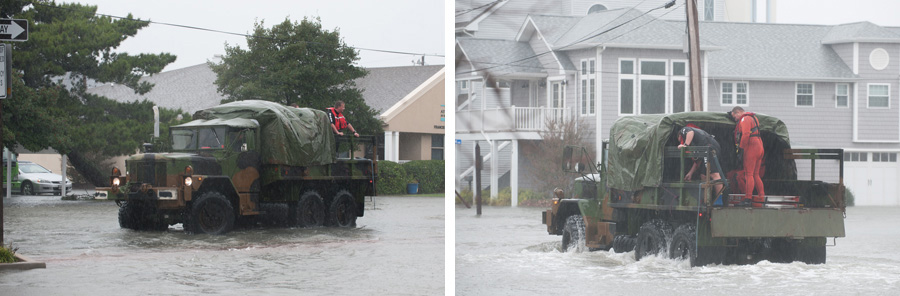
x,y
478,164
693,26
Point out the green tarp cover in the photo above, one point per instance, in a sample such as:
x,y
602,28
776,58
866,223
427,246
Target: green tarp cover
x,y
637,143
288,136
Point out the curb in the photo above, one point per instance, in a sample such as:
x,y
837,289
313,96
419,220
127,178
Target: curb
x,y
24,263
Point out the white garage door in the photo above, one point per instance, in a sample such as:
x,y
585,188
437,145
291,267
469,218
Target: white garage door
x,y
873,177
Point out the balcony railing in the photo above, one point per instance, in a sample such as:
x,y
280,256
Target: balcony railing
x,y
513,119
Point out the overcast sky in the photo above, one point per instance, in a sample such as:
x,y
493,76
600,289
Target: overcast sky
x,y
835,12
415,26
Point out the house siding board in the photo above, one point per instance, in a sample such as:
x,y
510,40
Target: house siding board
x,y
865,67
879,124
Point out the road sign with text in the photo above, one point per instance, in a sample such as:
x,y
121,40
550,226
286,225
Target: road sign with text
x,y
5,67
13,30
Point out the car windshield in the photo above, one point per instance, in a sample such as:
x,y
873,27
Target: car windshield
x,y
30,168
212,138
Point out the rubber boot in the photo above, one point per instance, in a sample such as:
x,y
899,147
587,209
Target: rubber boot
x,y
759,201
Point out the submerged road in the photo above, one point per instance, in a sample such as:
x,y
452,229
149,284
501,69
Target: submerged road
x,y
507,251
396,249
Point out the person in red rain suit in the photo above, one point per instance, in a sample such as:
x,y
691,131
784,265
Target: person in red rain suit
x,y
748,138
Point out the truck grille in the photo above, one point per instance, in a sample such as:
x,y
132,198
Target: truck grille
x,y
148,172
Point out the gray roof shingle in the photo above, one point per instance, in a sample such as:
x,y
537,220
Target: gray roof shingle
x,y
500,56
860,32
757,50
189,89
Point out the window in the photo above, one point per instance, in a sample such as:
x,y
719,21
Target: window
x,y
653,87
856,156
650,87
709,10
734,93
626,86
884,157
588,86
463,84
437,147
842,95
596,8
805,94
879,96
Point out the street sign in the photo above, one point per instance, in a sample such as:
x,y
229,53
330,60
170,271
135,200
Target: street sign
x,y
13,30
5,67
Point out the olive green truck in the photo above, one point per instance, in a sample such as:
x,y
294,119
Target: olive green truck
x,y
636,198
234,158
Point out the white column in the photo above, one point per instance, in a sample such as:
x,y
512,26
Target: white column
x,y
388,145
396,151
495,169
514,174
62,184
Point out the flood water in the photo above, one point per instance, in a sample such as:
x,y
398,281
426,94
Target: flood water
x,y
507,251
396,249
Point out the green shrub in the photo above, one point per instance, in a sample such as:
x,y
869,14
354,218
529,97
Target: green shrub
x,y
849,199
467,195
392,178
8,254
527,197
428,173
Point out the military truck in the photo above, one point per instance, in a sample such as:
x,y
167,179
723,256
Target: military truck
x,y
636,198
232,159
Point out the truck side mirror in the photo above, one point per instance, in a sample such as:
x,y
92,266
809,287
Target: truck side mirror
x,y
244,147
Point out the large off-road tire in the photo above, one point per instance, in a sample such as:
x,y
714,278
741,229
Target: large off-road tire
x,y
139,216
573,234
652,238
212,213
27,188
684,243
342,212
623,243
310,210
129,216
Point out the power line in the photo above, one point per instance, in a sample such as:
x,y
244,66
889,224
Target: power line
x,y
236,34
464,11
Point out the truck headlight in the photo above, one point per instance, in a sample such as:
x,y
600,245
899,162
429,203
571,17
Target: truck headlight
x,y
115,182
188,181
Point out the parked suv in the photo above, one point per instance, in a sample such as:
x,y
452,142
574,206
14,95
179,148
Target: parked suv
x,y
36,179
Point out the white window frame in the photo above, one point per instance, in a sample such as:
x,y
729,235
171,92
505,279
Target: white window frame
x,y
587,94
797,94
463,84
562,91
634,84
837,94
734,93
869,96
667,104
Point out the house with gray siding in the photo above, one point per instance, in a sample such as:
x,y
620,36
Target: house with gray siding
x,y
834,86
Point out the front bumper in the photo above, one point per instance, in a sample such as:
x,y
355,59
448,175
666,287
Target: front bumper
x,y
40,188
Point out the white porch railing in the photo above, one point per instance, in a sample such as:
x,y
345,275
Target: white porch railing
x,y
511,119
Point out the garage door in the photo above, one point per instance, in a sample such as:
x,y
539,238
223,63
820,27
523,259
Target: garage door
x,y
873,177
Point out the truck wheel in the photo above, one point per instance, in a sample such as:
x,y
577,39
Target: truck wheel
x,y
310,210
573,234
128,216
651,238
342,212
212,214
684,243
623,243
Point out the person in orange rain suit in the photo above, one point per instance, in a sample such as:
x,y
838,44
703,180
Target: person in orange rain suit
x,y
747,137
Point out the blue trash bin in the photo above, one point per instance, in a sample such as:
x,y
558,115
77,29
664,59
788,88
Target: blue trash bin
x,y
412,188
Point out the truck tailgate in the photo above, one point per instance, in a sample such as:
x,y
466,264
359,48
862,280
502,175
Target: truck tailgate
x,y
760,222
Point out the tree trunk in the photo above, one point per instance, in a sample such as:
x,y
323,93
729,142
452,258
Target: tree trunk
x,y
90,171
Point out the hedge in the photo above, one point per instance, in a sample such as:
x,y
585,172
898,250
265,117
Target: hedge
x,y
392,178
429,174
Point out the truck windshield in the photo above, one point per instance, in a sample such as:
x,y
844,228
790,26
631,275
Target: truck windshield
x,y
183,140
212,138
